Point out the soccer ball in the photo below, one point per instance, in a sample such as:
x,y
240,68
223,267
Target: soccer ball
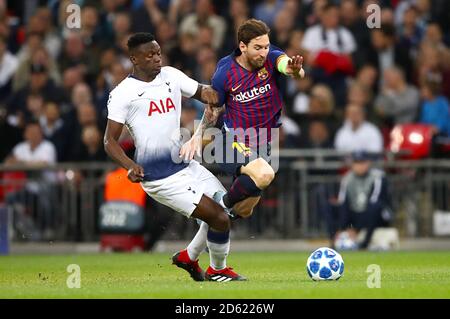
x,y
325,264
345,242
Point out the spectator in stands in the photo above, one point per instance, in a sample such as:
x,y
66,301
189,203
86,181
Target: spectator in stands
x,y
328,48
363,201
387,53
357,133
86,116
434,58
92,149
283,25
353,21
35,151
70,78
435,107
44,23
318,136
410,31
34,108
39,84
183,55
238,12
146,17
76,54
121,26
179,9
39,57
81,93
166,35
367,76
267,11
360,94
8,66
300,99
13,133
329,35
289,133
398,101
54,129
92,33
204,14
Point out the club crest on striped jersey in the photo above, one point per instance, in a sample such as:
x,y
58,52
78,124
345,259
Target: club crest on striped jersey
x,y
263,74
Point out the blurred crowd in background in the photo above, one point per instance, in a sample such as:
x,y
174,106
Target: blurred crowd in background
x,y
360,83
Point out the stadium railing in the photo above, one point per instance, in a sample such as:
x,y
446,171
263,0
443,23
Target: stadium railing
x,y
61,202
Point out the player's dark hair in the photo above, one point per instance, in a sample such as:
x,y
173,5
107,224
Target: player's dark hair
x,y
139,38
251,29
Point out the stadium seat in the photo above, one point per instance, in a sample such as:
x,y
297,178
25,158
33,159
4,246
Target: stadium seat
x,y
411,141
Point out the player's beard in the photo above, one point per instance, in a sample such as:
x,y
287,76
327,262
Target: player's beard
x,y
257,63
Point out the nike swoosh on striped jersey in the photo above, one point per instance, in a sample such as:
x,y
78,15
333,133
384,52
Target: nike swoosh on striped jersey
x,y
235,88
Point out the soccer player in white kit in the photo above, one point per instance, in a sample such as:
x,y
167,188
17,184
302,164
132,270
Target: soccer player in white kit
x,y
148,103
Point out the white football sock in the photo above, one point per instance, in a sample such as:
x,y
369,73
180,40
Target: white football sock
x,y
218,254
198,243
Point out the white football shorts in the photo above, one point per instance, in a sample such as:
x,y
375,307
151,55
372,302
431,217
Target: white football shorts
x,y
183,190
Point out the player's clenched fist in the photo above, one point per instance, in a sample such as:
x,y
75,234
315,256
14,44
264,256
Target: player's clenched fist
x,y
136,173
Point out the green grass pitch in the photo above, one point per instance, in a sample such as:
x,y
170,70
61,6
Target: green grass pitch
x,y
271,275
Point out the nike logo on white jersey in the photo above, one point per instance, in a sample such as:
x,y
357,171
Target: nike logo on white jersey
x,y
141,93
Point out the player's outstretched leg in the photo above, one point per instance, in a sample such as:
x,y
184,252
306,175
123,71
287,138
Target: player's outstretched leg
x,y
246,189
219,246
217,227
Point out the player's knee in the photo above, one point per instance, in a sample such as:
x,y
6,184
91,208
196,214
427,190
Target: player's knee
x,y
261,172
266,178
222,222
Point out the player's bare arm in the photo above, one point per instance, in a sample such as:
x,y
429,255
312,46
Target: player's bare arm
x,y
194,145
113,149
206,94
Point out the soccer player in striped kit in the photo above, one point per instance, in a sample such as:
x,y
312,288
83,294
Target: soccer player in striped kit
x,y
245,82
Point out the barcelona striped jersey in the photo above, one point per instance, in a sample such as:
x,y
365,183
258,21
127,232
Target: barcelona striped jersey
x,y
252,98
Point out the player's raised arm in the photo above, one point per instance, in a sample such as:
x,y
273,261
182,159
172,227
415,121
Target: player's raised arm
x,y
113,149
291,66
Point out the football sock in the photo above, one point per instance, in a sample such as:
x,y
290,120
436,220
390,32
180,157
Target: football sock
x,y
243,187
198,243
219,246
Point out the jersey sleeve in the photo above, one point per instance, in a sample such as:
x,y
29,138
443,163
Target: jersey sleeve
x,y
188,86
218,83
274,56
118,105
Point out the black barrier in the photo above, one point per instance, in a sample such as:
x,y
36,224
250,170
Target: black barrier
x,y
4,238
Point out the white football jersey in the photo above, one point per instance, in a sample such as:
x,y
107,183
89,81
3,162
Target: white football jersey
x,y
151,111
